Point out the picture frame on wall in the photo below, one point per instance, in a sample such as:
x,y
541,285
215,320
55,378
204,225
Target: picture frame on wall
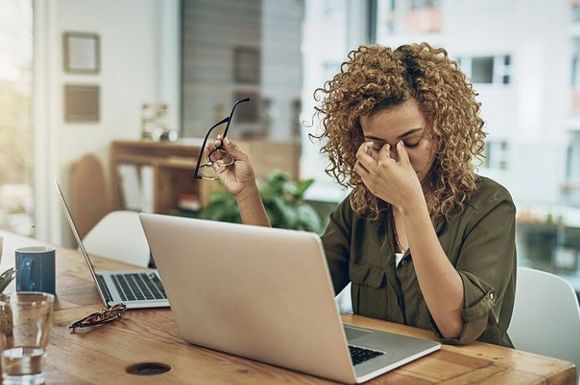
x,y
81,52
247,65
81,103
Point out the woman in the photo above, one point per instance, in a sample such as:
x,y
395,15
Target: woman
x,y
423,239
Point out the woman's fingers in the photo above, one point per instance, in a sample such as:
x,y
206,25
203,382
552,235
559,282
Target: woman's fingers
x,y
360,169
212,145
372,151
364,158
385,155
234,149
402,152
364,174
226,146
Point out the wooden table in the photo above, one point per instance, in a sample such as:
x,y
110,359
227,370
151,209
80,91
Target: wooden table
x,y
101,355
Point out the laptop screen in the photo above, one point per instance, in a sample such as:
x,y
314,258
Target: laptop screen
x,y
73,228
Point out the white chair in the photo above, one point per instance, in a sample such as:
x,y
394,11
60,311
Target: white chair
x,y
344,300
546,318
119,235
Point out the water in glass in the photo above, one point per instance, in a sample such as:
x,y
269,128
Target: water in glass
x,y
23,365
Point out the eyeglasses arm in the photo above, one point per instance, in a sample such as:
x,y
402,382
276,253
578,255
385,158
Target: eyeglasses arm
x,y
232,113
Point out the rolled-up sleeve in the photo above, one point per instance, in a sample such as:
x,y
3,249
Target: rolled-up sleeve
x,y
486,266
336,244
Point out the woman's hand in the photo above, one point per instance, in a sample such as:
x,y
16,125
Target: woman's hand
x,y
240,181
394,182
238,177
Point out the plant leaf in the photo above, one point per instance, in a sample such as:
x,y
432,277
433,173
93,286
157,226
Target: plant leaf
x,y
301,188
283,201
218,196
222,207
308,219
276,179
6,278
287,215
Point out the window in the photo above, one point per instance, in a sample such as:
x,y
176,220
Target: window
x,y
236,48
482,70
486,69
575,75
496,155
16,159
575,10
476,5
570,191
409,16
573,158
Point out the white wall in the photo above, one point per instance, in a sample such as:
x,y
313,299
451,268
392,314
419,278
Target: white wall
x,y
324,41
330,31
139,63
281,62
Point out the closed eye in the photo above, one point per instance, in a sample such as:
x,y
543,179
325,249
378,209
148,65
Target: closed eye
x,y
411,145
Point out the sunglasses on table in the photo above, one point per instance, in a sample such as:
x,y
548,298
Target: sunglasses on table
x,y
218,158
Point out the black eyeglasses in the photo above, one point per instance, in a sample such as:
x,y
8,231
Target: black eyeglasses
x,y
218,158
100,317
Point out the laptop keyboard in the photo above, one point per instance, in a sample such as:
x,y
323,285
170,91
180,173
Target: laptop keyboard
x,y
104,288
360,355
139,286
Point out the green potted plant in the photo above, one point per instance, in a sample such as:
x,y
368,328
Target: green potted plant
x,y
5,279
283,199
7,276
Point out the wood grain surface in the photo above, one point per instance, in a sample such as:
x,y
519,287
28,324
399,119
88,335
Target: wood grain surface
x,y
101,355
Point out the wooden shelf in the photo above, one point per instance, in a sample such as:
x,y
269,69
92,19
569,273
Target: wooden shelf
x,y
173,165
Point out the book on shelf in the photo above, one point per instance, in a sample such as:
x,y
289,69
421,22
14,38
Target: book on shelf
x,y
137,187
189,202
131,189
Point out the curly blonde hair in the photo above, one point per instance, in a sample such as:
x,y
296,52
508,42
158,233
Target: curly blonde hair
x,y
374,78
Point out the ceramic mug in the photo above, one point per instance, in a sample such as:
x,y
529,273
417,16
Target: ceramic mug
x,y
35,269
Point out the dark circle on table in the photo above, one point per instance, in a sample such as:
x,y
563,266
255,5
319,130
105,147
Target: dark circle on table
x,y
147,368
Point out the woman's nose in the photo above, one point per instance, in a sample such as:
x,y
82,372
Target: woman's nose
x,y
394,154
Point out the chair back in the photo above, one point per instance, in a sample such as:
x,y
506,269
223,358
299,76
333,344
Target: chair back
x,y
546,317
344,299
90,202
119,236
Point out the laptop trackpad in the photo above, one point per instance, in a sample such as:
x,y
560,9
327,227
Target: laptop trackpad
x,y
353,333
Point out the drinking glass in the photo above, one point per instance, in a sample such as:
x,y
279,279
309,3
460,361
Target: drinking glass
x,y
25,324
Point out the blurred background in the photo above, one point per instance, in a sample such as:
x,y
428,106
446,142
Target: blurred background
x,y
111,97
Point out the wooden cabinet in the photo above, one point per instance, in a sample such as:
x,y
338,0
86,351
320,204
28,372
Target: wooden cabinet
x,y
172,166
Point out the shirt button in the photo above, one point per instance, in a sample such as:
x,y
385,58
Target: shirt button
x,y
404,262
491,296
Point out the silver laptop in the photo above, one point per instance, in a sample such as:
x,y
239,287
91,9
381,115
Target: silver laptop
x,y
266,294
135,288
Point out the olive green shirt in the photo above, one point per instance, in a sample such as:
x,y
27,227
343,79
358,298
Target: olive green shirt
x,y
479,242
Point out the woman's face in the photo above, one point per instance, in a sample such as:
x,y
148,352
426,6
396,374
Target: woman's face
x,y
402,122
